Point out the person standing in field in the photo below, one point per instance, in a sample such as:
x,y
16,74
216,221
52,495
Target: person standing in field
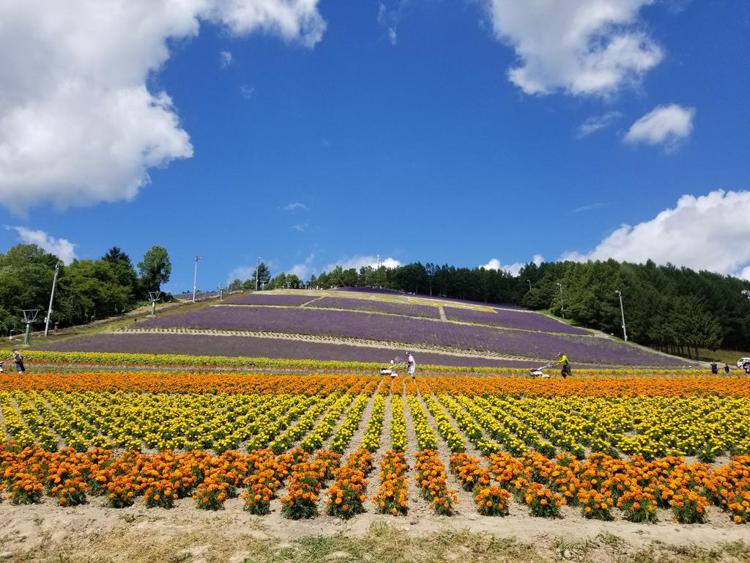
x,y
17,358
411,366
726,369
563,360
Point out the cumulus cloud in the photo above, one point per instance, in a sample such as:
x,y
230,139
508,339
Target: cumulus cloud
x,y
704,233
299,227
666,125
60,247
596,123
225,59
513,269
295,206
78,122
358,262
581,47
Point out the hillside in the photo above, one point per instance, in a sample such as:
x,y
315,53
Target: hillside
x,y
366,326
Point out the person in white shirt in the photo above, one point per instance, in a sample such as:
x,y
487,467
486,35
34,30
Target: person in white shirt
x,y
412,365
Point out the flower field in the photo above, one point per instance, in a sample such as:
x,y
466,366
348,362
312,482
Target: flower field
x,y
510,318
279,300
427,311
357,325
631,448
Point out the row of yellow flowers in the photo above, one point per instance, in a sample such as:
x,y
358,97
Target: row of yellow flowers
x,y
93,359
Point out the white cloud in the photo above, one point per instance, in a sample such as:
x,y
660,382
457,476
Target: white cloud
x,y
358,262
241,273
78,123
493,264
665,125
295,206
304,269
60,247
704,233
582,47
225,59
300,227
590,207
390,17
513,269
247,91
596,123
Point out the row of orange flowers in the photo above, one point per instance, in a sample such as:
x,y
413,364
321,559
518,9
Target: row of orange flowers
x,y
392,497
637,487
490,499
309,384
597,485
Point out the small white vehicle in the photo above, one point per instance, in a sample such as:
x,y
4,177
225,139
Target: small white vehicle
x,y
539,372
742,361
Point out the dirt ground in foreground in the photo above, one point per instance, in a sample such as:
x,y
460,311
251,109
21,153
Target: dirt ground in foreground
x,y
93,532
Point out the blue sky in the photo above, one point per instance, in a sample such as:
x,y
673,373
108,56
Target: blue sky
x,y
399,129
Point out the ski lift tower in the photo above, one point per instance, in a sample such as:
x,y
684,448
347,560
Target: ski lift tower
x,y
154,296
29,316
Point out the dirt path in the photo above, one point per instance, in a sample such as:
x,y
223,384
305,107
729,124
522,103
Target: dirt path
x,y
94,533
465,505
419,508
373,481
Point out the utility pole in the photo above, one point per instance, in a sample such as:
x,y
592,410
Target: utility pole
x,y
154,297
51,298
562,300
529,282
29,316
257,267
622,313
195,276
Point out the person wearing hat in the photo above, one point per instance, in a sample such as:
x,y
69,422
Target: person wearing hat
x,y
17,358
563,360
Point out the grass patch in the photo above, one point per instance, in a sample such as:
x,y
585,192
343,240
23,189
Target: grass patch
x,y
384,543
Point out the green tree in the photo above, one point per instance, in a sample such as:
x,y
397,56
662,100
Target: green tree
x,y
155,268
236,285
264,278
124,271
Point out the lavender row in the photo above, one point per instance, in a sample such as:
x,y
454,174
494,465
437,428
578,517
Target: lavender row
x,y
270,299
426,311
345,324
238,346
512,319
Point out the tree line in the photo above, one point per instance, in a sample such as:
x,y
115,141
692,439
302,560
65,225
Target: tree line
x,y
86,289
265,281
677,310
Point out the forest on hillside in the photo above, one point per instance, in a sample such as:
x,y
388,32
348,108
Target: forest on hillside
x,y
673,309
85,290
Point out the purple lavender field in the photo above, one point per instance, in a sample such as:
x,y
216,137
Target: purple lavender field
x,y
265,299
345,324
235,346
511,319
378,306
370,290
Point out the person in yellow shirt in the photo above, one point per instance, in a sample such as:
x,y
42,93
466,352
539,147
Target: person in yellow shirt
x,y
563,360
